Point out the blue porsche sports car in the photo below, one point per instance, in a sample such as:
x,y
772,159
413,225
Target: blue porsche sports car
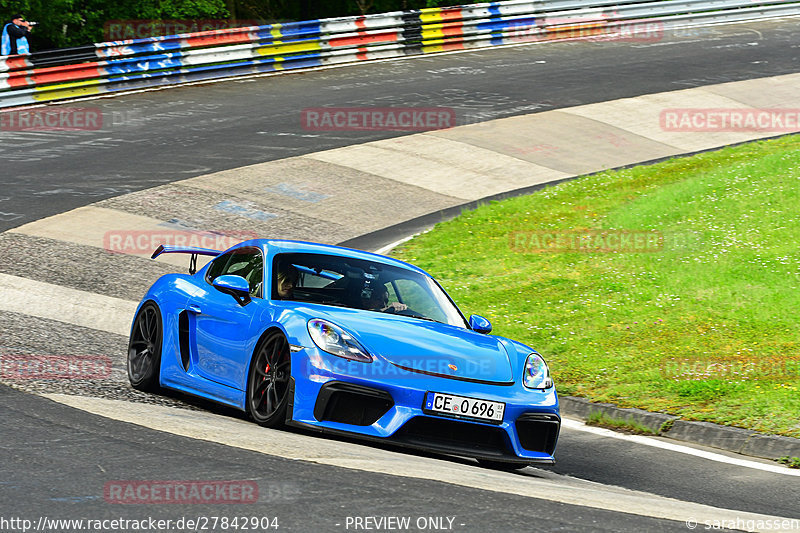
x,y
347,342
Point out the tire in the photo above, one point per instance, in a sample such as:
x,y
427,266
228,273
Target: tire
x,y
501,465
144,348
268,381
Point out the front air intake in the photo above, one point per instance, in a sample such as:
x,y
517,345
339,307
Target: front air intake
x,y
351,404
454,436
538,432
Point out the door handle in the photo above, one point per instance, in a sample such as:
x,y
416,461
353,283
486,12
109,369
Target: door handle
x,y
194,308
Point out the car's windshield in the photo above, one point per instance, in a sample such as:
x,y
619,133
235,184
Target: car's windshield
x,y
358,284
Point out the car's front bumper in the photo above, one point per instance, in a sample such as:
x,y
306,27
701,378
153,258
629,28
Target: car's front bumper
x,y
381,401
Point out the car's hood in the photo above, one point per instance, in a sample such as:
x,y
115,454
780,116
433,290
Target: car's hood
x,y
428,347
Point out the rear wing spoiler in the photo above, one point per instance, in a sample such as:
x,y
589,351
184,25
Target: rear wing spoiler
x,y
186,250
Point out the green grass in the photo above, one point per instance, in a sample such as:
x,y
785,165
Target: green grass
x,y
708,328
618,424
791,462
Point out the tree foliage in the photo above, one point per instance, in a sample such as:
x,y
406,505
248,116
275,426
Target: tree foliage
x,y
64,23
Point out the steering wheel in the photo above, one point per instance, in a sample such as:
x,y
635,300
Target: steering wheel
x,y
313,297
407,312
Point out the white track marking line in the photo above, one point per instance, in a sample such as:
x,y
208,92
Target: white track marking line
x,y
538,483
679,448
117,231
114,315
63,304
647,441
388,248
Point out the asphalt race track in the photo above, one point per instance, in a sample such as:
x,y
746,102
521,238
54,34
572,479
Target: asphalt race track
x,y
157,137
72,486
57,459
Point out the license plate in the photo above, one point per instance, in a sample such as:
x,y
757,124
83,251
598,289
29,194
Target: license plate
x,y
463,407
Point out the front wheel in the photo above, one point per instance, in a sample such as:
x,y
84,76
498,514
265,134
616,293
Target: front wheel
x,y
268,381
144,348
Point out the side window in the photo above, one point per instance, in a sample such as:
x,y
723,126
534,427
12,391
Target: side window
x,y
245,262
418,299
217,267
392,294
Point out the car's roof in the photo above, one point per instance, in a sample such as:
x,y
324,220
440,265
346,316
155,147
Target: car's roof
x,y
287,246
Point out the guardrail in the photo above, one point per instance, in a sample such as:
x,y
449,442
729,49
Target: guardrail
x,y
116,66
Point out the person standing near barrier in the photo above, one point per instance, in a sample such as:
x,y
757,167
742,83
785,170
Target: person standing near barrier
x,y
15,37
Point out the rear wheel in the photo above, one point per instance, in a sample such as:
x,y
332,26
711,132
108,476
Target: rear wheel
x,y
144,348
501,465
268,380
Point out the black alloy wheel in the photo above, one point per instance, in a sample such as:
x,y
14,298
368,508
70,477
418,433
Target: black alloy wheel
x,y
144,348
268,380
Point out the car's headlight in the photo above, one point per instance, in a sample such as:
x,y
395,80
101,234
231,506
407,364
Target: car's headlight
x,y
536,374
333,339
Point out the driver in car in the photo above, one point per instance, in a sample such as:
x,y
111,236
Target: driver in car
x,y
379,301
286,280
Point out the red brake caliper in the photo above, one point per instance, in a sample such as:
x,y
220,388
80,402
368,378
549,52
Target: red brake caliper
x,y
266,371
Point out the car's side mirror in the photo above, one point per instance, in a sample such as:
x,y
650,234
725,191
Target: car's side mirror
x,y
236,286
479,324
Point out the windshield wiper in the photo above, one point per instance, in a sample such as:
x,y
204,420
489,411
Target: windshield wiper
x,y
425,318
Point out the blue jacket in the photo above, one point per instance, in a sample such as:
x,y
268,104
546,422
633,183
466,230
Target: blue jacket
x,y
14,40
